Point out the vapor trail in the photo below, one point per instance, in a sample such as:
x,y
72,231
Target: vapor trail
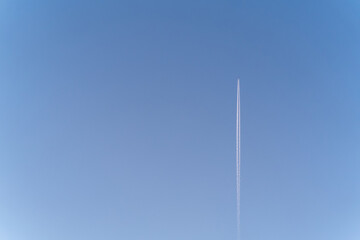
x,y
238,155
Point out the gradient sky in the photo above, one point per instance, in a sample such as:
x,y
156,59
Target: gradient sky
x,y
117,119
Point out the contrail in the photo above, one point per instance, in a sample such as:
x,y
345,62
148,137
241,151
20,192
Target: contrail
x,y
238,155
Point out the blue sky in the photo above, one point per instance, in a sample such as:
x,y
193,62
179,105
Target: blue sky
x,y
118,119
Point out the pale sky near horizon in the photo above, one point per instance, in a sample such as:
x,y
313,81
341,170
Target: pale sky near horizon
x,y
118,119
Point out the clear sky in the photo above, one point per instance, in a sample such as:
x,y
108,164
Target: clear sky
x,y
117,119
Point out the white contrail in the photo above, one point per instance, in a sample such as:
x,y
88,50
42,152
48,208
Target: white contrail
x,y
238,158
